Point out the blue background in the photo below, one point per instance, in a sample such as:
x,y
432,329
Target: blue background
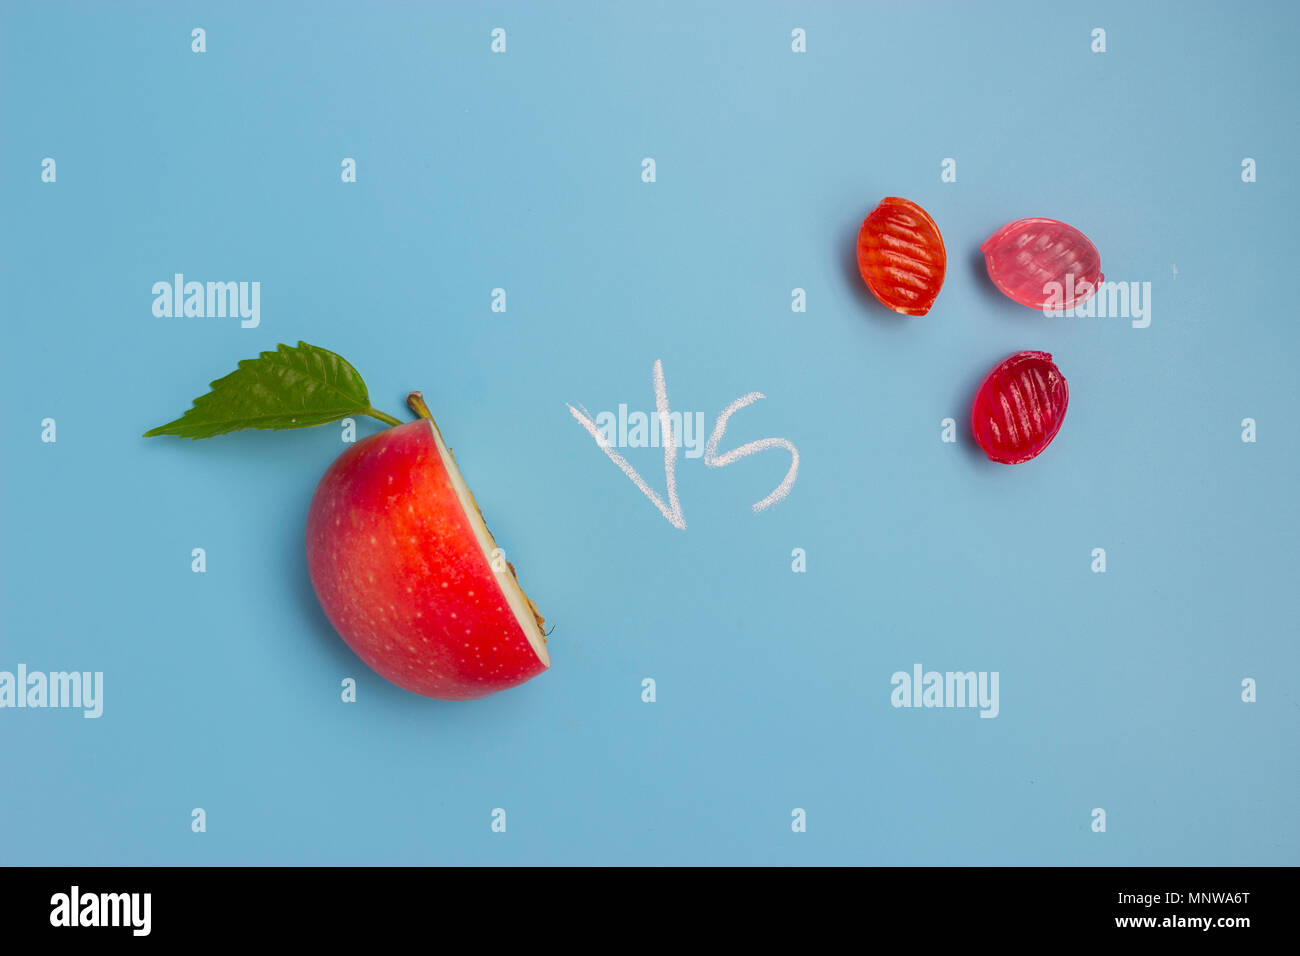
x,y
1118,690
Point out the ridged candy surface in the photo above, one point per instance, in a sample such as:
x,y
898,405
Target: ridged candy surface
x,y
1019,407
901,256
1024,256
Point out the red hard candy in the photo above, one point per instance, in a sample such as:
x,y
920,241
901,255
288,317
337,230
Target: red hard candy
x,y
1019,407
1026,257
901,256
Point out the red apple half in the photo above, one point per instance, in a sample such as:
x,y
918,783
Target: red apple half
x,y
409,575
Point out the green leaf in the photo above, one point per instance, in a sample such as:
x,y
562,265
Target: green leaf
x,y
287,388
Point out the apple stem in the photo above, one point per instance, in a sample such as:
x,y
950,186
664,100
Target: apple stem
x,y
386,419
416,401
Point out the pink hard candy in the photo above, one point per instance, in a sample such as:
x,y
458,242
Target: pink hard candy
x,y
1043,263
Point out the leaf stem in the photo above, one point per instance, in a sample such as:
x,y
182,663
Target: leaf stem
x,y
416,401
386,419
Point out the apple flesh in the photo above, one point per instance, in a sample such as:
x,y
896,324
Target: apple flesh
x,y
409,575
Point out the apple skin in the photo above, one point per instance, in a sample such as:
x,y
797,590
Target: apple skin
x,y
401,576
